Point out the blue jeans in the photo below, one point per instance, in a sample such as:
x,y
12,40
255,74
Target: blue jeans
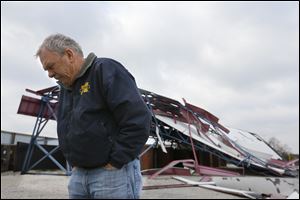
x,y
101,183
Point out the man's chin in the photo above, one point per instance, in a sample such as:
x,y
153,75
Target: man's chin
x,y
66,84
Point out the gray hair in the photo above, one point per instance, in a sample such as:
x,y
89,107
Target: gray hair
x,y
58,43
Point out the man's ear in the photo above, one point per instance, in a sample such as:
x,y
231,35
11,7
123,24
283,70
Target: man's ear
x,y
70,54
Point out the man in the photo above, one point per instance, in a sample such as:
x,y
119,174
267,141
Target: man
x,y
102,122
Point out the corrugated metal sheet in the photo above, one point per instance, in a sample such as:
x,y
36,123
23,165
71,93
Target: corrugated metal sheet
x,y
31,106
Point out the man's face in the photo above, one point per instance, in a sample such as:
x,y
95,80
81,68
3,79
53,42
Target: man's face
x,y
58,67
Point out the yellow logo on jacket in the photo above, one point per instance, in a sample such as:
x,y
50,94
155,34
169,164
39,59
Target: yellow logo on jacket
x,y
85,88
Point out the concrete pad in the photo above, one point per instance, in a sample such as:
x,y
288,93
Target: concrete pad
x,y
32,186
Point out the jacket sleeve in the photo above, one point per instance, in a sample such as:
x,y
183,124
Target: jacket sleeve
x,y
128,109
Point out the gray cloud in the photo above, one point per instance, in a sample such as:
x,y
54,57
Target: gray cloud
x,y
238,60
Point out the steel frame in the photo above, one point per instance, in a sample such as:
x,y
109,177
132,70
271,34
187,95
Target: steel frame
x,y
47,111
190,114
182,114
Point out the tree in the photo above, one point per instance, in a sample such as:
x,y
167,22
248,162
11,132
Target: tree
x,y
282,149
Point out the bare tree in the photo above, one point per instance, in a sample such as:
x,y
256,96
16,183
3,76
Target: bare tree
x,y
282,149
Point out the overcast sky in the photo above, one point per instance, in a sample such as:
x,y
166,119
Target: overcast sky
x,y
238,60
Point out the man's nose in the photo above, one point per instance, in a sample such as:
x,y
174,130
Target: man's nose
x,y
51,74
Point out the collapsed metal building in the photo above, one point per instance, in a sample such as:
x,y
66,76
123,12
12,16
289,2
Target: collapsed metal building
x,y
176,125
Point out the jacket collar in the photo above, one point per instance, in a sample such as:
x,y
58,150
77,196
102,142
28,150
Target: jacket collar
x,y
87,64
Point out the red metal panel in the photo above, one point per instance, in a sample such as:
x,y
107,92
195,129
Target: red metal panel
x,y
31,106
192,119
206,115
170,171
203,112
223,128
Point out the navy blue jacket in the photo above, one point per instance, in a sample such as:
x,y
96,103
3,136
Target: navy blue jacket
x,y
102,117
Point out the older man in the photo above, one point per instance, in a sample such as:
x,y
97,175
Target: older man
x,y
102,122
